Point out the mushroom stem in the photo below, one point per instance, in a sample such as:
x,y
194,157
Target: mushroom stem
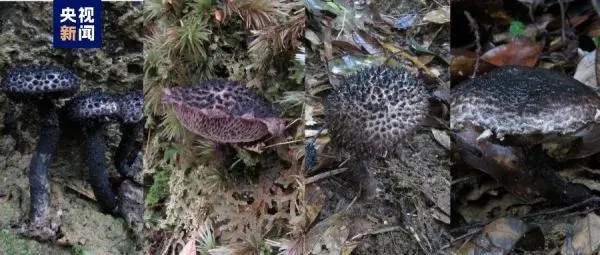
x,y
128,148
98,168
40,162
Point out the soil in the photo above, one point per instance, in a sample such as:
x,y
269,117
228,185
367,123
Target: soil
x,y
411,187
25,39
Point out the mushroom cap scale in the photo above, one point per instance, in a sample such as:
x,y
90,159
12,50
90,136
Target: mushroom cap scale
x,y
521,101
93,106
27,82
223,111
131,106
375,109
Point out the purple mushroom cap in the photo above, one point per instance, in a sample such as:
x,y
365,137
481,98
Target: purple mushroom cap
x,y
223,111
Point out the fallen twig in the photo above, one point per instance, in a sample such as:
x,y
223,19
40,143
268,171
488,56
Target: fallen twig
x,y
475,30
379,231
324,175
564,209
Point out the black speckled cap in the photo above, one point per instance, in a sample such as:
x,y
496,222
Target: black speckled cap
x,y
132,106
521,101
28,82
375,109
93,106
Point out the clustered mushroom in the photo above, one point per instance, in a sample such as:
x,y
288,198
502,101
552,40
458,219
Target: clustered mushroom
x,y
132,119
511,122
43,86
92,111
371,113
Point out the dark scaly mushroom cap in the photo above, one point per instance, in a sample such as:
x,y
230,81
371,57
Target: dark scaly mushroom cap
x,y
39,81
93,106
131,106
521,101
375,109
223,111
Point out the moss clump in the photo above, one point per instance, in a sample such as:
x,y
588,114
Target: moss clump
x,y
10,244
252,42
159,189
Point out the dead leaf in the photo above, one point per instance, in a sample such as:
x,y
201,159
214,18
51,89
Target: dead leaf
x,y
526,174
439,16
594,28
581,175
440,216
189,248
425,59
579,19
82,188
348,248
586,239
330,234
482,189
521,53
498,237
367,42
442,138
258,147
347,47
463,65
586,70
219,16
315,199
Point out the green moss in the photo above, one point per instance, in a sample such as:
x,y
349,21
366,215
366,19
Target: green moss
x,y
10,244
159,189
596,41
80,251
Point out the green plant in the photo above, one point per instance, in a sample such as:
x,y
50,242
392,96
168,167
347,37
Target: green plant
x,y
596,41
516,28
159,189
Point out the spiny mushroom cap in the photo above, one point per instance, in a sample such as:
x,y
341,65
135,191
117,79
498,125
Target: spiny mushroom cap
x,y
93,106
522,101
131,106
375,109
28,82
223,111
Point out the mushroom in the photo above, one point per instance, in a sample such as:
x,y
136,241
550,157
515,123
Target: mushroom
x,y
224,112
500,118
92,111
372,112
376,109
41,86
131,116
